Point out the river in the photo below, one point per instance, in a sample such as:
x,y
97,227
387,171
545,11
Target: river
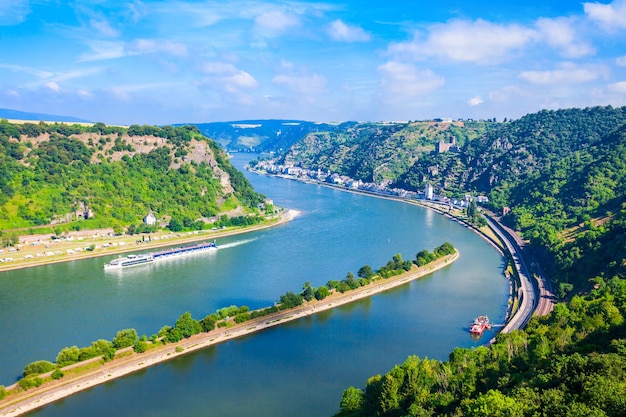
x,y
299,368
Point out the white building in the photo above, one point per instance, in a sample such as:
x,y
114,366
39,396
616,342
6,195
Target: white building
x,y
429,192
150,219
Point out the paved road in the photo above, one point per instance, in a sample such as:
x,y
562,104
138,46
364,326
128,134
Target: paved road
x,y
535,295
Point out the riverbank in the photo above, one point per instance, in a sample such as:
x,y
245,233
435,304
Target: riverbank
x,y
26,401
105,244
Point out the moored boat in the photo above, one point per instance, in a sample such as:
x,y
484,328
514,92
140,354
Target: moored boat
x,y
480,324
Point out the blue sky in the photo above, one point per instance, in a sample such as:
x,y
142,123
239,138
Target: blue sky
x,y
160,62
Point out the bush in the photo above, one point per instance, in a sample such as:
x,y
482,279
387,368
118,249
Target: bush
x,y
240,318
3,392
68,356
125,338
321,293
208,323
57,374
141,346
27,383
290,300
38,367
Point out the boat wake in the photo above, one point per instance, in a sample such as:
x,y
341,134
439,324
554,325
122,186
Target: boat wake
x,y
237,243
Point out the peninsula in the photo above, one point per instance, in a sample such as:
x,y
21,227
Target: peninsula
x,y
127,361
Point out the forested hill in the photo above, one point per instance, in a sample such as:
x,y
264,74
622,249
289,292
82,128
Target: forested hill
x,y
563,175
107,176
263,135
380,152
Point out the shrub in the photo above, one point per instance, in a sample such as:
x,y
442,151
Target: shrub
x,y
68,356
38,367
141,346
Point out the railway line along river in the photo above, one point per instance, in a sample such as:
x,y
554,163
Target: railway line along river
x,y
299,368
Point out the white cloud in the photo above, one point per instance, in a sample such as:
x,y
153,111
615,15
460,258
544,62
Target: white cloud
x,y
475,101
609,16
621,61
102,25
102,50
13,12
342,32
29,70
506,93
466,41
617,88
84,93
561,34
276,22
405,81
306,84
567,74
150,46
224,77
125,92
219,68
51,85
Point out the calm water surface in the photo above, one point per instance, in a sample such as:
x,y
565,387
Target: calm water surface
x,y
300,368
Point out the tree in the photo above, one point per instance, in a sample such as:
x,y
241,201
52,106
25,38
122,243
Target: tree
x,y
352,401
141,346
321,293
208,323
187,326
365,272
68,356
307,291
493,404
290,300
38,367
176,225
125,338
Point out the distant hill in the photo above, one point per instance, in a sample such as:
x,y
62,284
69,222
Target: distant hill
x,y
21,115
380,152
263,135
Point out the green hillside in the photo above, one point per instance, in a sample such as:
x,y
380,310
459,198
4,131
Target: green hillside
x,y
95,176
561,175
378,152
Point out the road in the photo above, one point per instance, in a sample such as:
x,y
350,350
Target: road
x,y
535,295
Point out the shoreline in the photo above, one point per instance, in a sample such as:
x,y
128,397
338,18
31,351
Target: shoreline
x,y
58,389
286,216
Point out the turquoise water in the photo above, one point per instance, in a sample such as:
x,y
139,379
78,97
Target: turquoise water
x,y
298,368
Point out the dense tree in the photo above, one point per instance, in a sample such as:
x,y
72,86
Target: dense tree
x,y
187,326
125,338
38,367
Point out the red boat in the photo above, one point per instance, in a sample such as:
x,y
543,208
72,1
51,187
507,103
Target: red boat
x,y
479,325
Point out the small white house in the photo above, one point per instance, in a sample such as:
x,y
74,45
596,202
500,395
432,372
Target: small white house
x,y
150,219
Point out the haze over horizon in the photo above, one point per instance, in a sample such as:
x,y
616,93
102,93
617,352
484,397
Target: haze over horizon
x,y
202,61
